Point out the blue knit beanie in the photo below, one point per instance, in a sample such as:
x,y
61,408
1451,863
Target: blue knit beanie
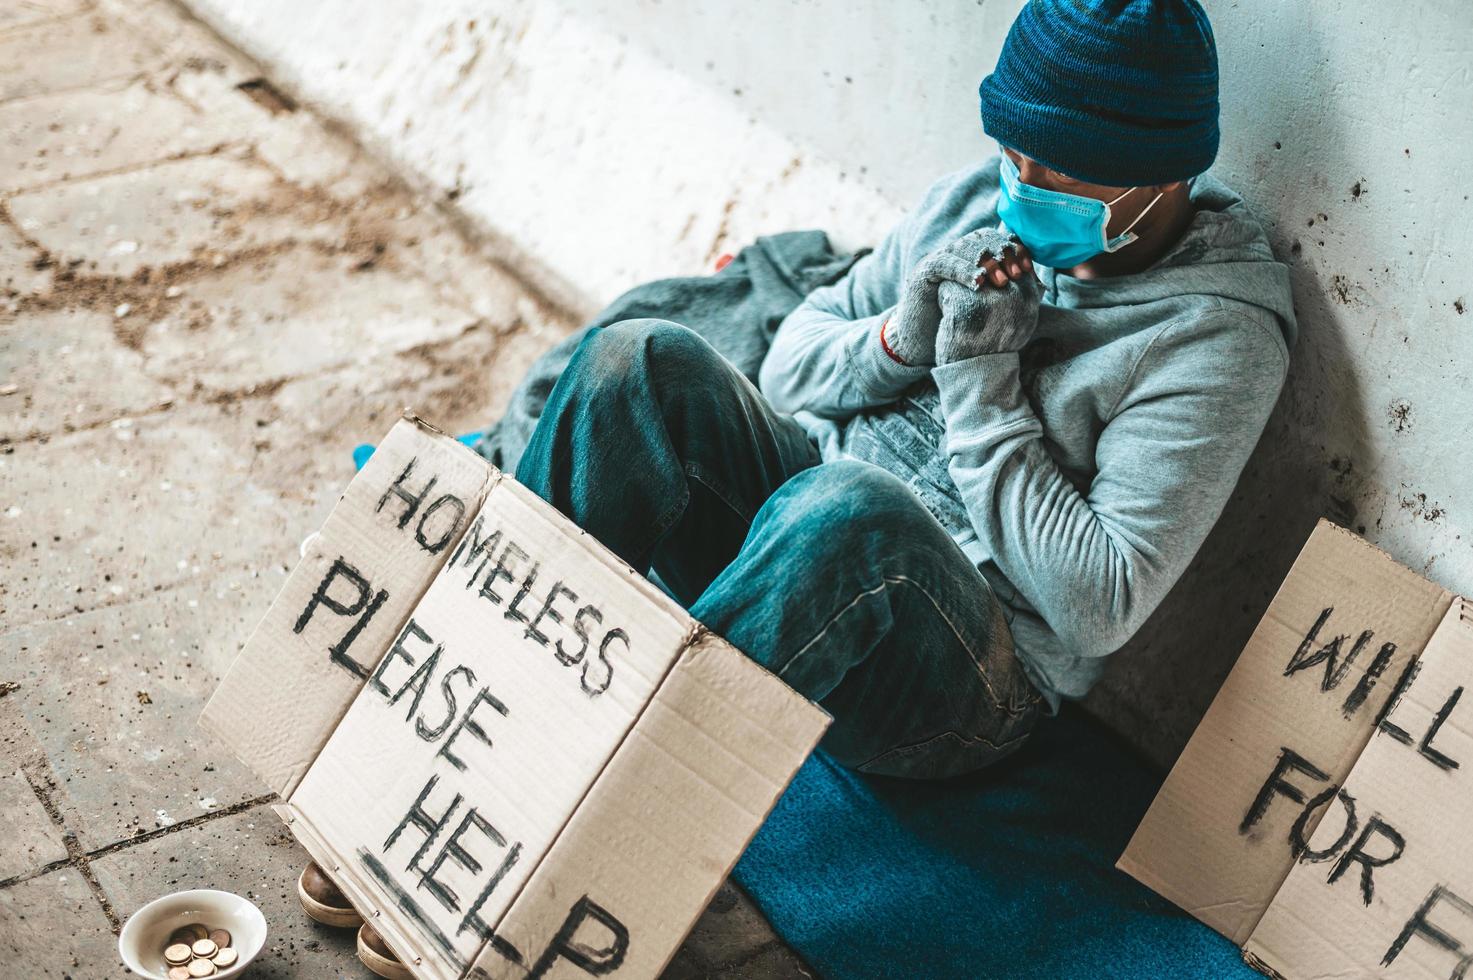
x,y
1118,92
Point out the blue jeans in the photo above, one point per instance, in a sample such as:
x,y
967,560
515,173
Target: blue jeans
x,y
834,576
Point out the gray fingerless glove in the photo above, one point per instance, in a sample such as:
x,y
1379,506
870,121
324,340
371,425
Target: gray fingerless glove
x,y
989,320
910,333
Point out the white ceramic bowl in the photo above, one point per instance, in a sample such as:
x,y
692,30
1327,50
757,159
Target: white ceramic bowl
x,y
146,932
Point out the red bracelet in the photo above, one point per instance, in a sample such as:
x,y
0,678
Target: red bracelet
x,y
886,347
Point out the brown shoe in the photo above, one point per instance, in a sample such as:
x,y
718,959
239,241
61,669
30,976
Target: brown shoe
x,y
378,957
322,901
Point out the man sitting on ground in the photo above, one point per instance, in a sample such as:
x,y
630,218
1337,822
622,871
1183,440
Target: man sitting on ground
x,y
979,461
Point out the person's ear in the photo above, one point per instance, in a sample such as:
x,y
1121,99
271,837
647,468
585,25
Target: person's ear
x,y
1169,188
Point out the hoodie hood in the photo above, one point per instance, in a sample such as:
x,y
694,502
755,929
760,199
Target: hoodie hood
x,y
1224,253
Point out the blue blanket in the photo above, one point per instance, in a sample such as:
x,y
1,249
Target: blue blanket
x,y
1007,874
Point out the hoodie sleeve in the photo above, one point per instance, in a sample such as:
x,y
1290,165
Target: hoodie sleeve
x,y
826,357
1095,564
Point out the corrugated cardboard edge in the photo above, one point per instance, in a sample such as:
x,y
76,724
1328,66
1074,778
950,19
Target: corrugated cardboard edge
x,y
1262,967
1169,890
216,716
762,700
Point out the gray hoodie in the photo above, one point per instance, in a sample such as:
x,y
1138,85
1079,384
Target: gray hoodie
x,y
1082,474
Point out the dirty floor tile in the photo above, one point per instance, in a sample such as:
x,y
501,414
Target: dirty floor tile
x,y
29,841
52,927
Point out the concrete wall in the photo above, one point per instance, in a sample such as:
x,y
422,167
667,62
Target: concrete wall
x,y
602,142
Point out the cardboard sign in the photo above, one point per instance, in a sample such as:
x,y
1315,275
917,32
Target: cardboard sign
x,y
1387,876
1315,816
546,769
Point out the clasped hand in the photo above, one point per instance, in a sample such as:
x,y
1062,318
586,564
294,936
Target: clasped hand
x,y
976,295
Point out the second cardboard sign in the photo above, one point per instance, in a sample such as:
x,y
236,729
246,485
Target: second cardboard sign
x,y
1317,816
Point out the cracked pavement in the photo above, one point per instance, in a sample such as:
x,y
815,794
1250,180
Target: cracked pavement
x,y
207,297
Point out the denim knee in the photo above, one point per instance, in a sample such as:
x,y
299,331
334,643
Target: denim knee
x,y
641,350
831,507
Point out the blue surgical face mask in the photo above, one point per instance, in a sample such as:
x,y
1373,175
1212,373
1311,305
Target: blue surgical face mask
x,y
1060,230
